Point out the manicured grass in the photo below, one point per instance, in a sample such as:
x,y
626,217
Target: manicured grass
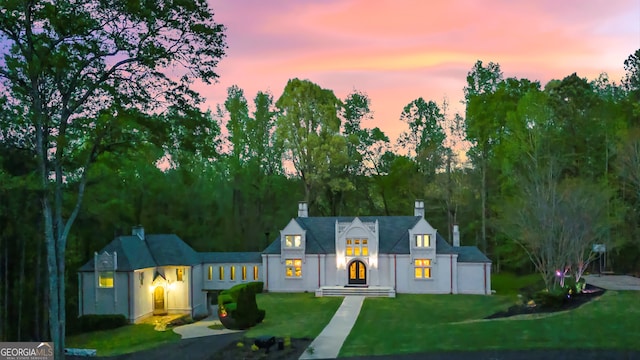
x,y
425,323
294,315
510,284
122,340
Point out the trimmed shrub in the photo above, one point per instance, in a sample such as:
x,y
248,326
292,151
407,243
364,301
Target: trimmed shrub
x,y
237,307
101,322
553,299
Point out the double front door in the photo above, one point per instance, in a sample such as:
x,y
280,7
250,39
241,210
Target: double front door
x,y
357,273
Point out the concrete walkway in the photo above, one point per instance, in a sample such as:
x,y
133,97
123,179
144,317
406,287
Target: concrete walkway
x,y
327,345
201,328
614,282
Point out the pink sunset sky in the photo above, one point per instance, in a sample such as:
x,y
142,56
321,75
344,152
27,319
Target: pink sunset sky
x,y
398,50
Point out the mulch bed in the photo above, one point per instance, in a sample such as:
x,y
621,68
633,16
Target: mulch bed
x,y
235,351
590,293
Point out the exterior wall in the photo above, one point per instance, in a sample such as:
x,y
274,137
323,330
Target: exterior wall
x,y
177,292
474,278
276,281
142,291
96,300
441,281
198,297
216,284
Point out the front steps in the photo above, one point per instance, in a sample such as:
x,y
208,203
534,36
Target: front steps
x,y
368,291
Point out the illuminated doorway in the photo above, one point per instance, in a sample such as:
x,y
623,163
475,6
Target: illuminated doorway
x,y
158,301
357,273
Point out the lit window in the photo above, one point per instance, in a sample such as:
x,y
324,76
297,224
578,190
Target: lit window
x,y
255,273
357,247
233,273
293,241
105,279
179,274
244,273
221,272
210,275
293,268
423,240
422,268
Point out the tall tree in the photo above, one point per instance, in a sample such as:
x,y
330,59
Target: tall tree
x,y
425,138
309,129
72,72
481,80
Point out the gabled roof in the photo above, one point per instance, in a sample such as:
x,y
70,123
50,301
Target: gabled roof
x,y
154,250
394,237
230,257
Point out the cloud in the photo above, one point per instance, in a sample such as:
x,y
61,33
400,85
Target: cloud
x,y
398,50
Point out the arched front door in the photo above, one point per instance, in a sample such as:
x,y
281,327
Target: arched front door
x,y
357,273
158,301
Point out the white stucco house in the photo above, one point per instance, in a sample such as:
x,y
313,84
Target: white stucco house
x,y
141,275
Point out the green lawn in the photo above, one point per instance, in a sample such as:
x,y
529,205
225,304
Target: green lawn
x,y
423,323
122,340
510,284
295,315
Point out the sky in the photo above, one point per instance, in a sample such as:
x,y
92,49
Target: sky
x,y
396,51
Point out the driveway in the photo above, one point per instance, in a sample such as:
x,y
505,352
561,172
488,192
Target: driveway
x,y
614,282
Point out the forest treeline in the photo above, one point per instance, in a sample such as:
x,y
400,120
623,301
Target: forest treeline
x,y
522,155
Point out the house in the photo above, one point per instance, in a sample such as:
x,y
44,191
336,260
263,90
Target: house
x,y
384,254
141,275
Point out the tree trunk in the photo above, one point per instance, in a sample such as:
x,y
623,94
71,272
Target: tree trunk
x,y
484,204
38,328
21,287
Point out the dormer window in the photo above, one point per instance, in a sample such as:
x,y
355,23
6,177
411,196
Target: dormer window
x,y
357,247
293,241
423,240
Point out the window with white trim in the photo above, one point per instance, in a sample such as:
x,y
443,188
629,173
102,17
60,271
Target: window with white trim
x,y
422,268
244,272
357,247
293,241
233,273
221,273
293,268
210,275
422,240
255,273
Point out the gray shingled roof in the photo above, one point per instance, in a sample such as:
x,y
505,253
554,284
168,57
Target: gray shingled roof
x,y
231,257
470,254
155,250
394,237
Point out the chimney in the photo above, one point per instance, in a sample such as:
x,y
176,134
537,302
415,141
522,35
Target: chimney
x,y
303,210
456,236
138,231
419,208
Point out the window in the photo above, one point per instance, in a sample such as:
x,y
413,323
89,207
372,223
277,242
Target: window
x,y
179,274
244,273
105,279
422,268
423,240
221,273
357,247
255,273
141,278
292,241
210,275
293,268
233,273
